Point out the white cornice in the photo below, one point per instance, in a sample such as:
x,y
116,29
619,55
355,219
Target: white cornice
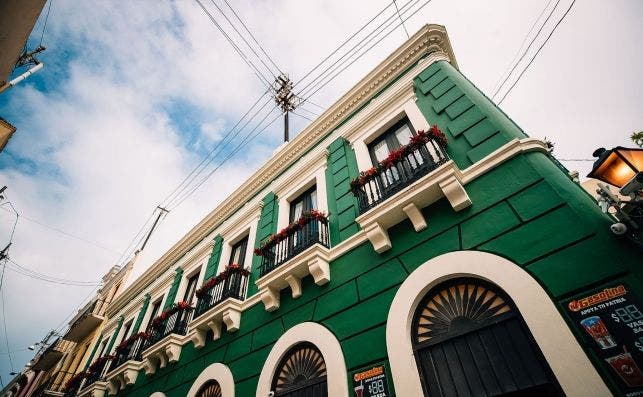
x,y
431,39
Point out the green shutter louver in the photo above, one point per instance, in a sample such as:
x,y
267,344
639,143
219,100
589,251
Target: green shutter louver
x,y
141,314
113,340
213,262
174,288
342,205
267,226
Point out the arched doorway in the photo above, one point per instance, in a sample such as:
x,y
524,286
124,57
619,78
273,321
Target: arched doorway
x,y
470,340
211,389
302,372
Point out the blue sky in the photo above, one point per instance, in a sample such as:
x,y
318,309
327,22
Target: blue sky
x,y
133,96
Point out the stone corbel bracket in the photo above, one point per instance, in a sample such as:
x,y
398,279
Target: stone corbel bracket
x,y
227,312
313,261
124,375
96,389
445,181
167,350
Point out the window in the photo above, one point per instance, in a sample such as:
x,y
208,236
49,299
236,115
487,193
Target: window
x,y
302,372
126,330
398,135
103,346
191,288
305,202
238,254
156,309
210,389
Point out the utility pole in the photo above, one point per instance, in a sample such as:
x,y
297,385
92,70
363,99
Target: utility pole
x,y
161,212
285,99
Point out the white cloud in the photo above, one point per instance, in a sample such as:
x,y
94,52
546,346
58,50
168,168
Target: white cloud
x,y
107,147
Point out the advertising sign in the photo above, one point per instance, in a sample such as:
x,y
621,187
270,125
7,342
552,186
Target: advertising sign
x,y
612,323
371,382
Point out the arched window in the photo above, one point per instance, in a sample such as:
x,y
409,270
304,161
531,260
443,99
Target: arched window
x,y
302,372
470,340
210,389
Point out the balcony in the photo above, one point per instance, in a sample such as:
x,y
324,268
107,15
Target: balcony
x,y
404,166
219,303
123,369
55,385
290,255
408,180
85,322
95,377
50,356
165,339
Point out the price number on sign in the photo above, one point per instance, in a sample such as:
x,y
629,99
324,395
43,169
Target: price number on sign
x,y
639,344
376,387
627,314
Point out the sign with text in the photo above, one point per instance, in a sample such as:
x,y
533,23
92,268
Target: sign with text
x,y
371,382
612,322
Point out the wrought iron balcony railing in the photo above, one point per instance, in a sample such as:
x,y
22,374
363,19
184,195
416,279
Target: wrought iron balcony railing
x,y
403,167
310,229
130,349
231,283
97,371
172,321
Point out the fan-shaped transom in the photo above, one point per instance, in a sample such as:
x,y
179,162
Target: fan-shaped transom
x,y
210,389
303,365
459,306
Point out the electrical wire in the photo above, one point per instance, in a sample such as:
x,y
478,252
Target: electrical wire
x,y
355,49
314,104
244,40
4,317
576,159
44,277
408,36
67,234
42,35
524,40
302,116
343,44
364,52
261,77
538,51
533,40
300,107
234,151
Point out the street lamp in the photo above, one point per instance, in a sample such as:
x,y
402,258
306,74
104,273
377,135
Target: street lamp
x,y
623,168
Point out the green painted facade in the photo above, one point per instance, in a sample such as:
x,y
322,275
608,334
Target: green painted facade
x,y
526,210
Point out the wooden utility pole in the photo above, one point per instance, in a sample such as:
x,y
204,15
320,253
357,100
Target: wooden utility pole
x,y
285,99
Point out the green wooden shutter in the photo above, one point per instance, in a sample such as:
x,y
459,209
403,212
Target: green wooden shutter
x,y
113,340
141,314
171,294
267,226
342,205
213,262
93,353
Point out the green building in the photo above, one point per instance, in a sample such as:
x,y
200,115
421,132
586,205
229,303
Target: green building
x,y
411,241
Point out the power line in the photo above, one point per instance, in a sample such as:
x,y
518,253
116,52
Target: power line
x,y
4,317
44,277
538,51
366,51
236,48
42,35
302,116
239,147
253,36
408,36
244,39
67,234
533,40
524,40
344,43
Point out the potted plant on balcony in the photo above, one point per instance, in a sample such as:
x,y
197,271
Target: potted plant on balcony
x,y
229,270
274,239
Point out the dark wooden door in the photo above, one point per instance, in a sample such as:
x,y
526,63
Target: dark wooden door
x,y
471,341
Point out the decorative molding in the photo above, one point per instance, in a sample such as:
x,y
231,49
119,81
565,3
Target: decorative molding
x,y
96,389
167,350
227,312
313,261
432,40
571,366
415,216
219,372
328,346
123,375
